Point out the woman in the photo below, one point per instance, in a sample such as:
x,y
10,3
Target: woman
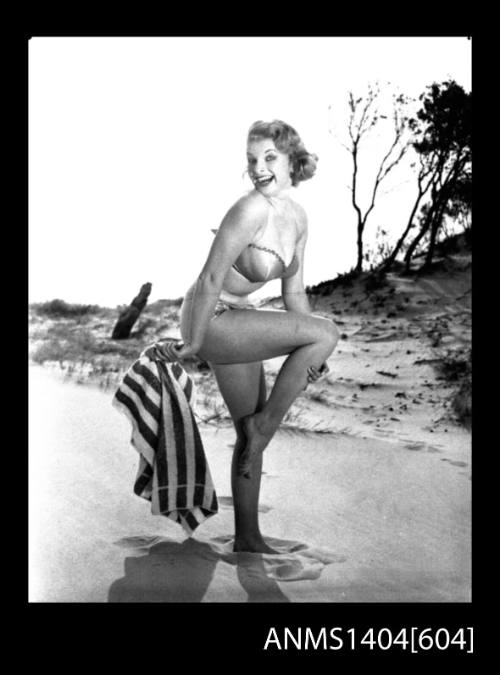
x,y
262,237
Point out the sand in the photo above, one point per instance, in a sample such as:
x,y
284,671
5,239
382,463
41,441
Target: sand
x,y
364,516
366,490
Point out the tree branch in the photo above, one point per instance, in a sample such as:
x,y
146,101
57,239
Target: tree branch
x,y
382,173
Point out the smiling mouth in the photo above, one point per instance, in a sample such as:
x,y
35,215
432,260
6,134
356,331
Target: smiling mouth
x,y
264,180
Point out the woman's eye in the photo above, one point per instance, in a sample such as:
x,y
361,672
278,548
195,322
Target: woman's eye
x,y
270,157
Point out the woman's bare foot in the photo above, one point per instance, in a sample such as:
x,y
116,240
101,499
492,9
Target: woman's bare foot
x,y
256,442
249,545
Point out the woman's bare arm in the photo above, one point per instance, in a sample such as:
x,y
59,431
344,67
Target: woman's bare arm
x,y
292,289
238,229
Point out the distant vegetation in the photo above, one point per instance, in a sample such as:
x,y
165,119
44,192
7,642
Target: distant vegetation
x,y
59,309
77,343
78,336
345,279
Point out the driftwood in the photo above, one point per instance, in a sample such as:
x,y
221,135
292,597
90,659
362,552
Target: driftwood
x,y
130,314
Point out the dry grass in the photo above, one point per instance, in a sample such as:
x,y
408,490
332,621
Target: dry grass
x,y
60,309
78,337
455,367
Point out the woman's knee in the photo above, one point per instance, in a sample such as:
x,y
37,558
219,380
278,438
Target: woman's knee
x,y
327,332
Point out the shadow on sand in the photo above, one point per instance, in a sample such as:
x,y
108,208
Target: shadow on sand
x,y
182,572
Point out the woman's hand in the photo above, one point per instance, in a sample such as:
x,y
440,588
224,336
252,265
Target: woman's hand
x,y
173,351
314,374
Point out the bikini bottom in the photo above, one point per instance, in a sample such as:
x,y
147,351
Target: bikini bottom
x,y
223,306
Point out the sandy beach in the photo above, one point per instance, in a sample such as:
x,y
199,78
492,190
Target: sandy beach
x,y
370,519
366,490
319,209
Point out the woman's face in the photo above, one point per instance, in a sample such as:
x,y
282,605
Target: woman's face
x,y
268,168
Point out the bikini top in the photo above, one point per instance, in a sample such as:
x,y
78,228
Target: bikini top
x,y
256,265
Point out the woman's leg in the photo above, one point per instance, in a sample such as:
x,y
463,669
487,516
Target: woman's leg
x,y
241,336
260,427
243,388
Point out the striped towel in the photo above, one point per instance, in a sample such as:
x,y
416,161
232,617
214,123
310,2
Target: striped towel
x,y
173,472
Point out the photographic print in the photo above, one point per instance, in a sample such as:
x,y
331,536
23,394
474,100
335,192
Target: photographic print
x,y
250,320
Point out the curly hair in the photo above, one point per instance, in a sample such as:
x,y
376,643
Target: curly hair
x,y
287,140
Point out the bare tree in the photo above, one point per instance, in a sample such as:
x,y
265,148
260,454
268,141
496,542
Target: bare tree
x,y
364,116
424,181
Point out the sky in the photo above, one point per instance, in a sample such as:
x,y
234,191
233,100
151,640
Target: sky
x,y
137,149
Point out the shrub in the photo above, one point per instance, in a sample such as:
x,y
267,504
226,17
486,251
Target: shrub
x,y
344,280
60,309
455,366
462,403
50,350
375,281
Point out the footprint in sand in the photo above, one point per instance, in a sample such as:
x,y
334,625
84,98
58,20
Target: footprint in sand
x,y
227,503
384,432
293,561
139,542
421,446
455,463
